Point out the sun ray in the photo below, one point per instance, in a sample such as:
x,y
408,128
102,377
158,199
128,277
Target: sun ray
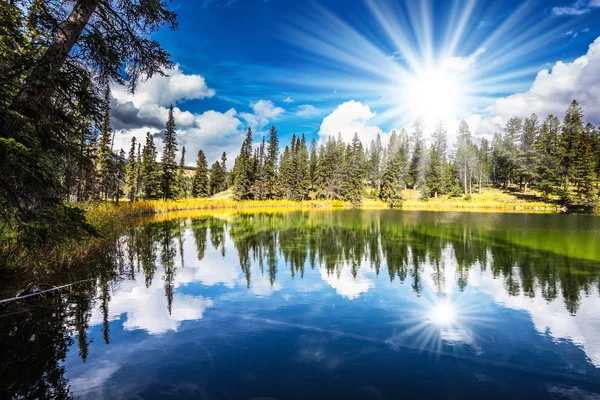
x,y
407,71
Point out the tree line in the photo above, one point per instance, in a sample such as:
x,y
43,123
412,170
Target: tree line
x,y
560,158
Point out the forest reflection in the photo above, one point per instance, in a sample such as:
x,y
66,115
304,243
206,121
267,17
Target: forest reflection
x,y
407,248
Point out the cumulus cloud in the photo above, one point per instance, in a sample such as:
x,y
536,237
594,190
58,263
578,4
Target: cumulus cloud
x,y
132,115
212,131
164,90
262,112
550,93
348,118
307,110
580,7
288,100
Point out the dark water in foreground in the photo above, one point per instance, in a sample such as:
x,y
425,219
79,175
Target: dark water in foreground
x,y
342,304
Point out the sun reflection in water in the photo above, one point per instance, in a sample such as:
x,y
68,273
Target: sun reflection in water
x,y
443,314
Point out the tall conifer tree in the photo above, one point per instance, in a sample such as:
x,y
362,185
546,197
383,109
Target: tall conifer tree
x,y
200,186
168,163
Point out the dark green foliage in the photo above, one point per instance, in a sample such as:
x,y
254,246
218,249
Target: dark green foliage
x,y
51,101
375,159
168,164
200,187
244,170
313,165
416,171
273,183
436,161
393,180
132,172
218,180
151,176
355,172
182,179
104,155
546,155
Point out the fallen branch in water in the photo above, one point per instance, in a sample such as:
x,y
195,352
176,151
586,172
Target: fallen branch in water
x,y
41,292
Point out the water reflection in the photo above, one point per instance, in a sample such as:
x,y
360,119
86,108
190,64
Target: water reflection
x,y
420,281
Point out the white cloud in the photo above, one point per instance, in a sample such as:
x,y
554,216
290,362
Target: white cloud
x,y
307,110
550,93
288,100
348,118
580,7
263,112
212,131
164,90
463,64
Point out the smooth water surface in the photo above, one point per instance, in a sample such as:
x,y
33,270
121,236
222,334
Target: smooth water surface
x,y
319,305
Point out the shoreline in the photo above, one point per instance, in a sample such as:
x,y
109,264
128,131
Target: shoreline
x,y
111,220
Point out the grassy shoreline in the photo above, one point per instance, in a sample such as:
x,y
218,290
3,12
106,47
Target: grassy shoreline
x,y
111,220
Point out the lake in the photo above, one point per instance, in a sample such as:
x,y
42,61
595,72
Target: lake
x,y
319,305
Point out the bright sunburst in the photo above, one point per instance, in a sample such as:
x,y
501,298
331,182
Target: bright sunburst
x,y
434,93
412,65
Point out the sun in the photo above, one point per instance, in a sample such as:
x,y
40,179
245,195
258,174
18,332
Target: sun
x,y
434,93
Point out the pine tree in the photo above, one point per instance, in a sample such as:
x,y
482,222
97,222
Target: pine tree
x,y
150,172
392,180
571,133
320,175
200,187
527,171
286,169
436,160
217,182
181,177
355,172
260,186
313,164
168,164
301,170
139,180
416,172
375,161
584,167
244,179
132,172
120,175
105,157
465,156
273,181
512,139
546,156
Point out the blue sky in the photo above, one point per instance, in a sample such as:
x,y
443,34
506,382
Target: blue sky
x,y
366,66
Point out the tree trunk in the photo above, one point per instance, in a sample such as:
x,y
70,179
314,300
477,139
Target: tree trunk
x,y
38,87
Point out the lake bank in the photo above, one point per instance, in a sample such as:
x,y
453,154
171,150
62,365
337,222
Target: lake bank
x,y
111,220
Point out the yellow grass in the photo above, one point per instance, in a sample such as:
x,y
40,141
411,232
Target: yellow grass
x,y
103,215
489,199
